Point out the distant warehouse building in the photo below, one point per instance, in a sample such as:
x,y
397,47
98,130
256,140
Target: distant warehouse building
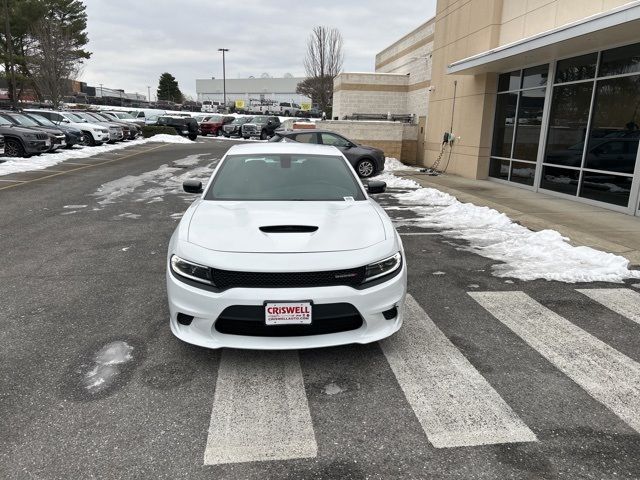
x,y
543,95
263,89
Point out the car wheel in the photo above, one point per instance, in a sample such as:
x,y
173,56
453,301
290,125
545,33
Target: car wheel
x,y
192,137
263,135
365,168
13,148
245,137
89,140
218,133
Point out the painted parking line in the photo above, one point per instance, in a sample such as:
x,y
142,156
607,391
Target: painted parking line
x,y
621,300
27,182
260,409
604,373
454,403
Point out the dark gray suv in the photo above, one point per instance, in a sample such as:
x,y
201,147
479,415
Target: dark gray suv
x,y
23,142
366,161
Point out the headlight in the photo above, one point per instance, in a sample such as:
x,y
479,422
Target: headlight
x,y
102,130
383,267
193,271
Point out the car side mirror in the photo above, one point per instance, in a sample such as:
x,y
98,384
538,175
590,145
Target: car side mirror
x,y
376,186
192,186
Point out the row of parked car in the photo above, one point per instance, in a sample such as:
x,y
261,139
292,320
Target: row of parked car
x,y
35,131
258,126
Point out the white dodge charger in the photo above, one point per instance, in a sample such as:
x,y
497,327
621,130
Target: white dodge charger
x,y
284,249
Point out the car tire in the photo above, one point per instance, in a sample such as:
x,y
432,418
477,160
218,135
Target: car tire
x,y
263,135
88,139
193,137
218,133
365,168
13,148
245,137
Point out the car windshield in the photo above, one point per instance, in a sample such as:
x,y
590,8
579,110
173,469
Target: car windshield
x,y
76,118
41,120
241,120
4,121
215,119
284,177
24,121
123,115
260,119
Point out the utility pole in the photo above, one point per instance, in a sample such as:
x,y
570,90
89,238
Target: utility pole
x,y
149,93
101,96
12,76
224,77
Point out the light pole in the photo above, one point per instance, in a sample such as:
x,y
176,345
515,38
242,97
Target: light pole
x,y
224,78
101,96
148,94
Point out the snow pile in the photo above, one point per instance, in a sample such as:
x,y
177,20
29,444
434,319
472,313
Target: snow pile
x,y
524,254
392,164
16,165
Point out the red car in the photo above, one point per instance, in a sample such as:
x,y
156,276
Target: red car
x,y
214,125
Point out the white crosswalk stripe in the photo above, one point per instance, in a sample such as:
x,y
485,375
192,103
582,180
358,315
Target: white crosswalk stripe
x,y
604,373
455,405
260,410
621,300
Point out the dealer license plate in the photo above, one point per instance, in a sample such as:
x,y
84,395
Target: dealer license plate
x,y
287,313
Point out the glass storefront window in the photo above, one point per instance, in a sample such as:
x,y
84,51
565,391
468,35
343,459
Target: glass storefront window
x,y
607,188
503,125
499,169
576,68
523,172
509,81
560,180
568,120
614,135
529,123
535,76
618,61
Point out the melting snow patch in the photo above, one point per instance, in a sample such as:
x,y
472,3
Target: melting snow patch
x,y
636,285
15,165
125,249
508,281
525,255
473,285
133,216
332,389
106,365
177,216
73,207
438,273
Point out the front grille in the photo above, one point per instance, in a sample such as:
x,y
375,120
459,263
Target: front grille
x,y
327,318
225,279
42,136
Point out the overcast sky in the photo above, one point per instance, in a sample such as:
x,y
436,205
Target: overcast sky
x,y
133,42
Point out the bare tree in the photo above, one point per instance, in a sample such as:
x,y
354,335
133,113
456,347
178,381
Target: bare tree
x,y
54,60
322,63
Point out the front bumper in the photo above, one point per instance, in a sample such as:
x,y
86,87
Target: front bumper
x,y
206,306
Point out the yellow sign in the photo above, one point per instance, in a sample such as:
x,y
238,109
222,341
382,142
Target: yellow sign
x,y
239,103
305,106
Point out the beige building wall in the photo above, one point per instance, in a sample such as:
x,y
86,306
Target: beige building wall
x,y
369,93
468,27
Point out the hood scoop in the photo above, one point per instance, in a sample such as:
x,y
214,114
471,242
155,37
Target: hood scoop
x,y
288,228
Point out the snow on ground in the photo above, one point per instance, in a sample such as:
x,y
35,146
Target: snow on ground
x,y
524,254
16,165
107,365
151,186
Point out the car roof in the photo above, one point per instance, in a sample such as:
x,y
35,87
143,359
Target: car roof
x,y
307,130
280,147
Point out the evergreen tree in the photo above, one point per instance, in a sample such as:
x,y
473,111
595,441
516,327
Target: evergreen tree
x,y
168,89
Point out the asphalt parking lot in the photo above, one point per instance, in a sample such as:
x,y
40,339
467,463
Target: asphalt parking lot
x,y
488,379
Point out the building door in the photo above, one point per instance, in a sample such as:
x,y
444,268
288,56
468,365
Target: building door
x,y
422,133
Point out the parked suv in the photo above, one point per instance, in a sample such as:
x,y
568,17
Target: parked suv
x,y
93,134
73,136
214,125
185,126
366,161
263,127
23,142
234,129
58,139
116,132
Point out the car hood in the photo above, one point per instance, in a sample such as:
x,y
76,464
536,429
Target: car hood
x,y
232,226
18,130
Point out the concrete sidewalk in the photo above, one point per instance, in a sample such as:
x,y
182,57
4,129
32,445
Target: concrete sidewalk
x,y
584,224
